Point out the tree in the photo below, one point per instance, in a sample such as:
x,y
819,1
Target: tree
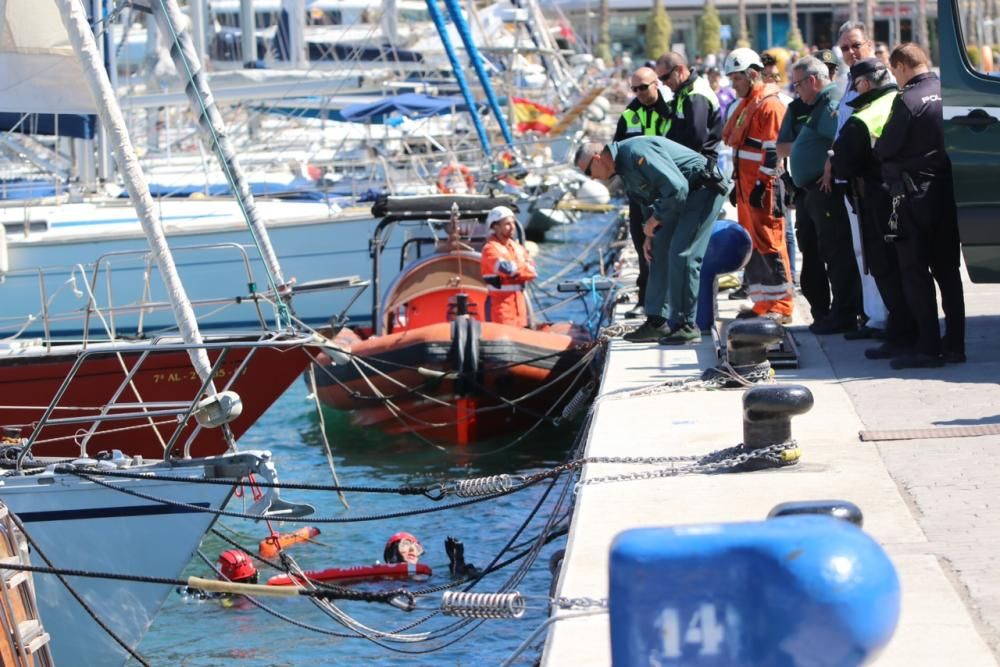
x,y
921,28
658,32
869,18
742,34
709,27
794,40
603,50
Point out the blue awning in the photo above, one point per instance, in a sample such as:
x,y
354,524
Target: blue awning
x,y
413,105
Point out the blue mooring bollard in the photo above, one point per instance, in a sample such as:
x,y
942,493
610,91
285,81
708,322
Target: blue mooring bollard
x,y
728,250
791,591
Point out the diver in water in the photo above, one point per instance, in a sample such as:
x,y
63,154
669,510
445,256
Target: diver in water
x,y
234,565
405,548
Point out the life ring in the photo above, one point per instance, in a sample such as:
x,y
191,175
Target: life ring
x,y
359,573
444,178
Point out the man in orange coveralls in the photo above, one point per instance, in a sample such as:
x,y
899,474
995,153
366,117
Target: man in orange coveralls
x,y
506,267
752,131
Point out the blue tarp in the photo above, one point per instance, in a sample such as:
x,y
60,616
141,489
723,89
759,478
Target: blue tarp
x,y
413,105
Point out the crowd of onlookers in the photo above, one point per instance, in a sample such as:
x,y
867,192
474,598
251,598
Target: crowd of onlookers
x,y
836,153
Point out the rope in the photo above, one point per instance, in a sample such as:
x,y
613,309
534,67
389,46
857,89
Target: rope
x,y
327,449
79,598
258,517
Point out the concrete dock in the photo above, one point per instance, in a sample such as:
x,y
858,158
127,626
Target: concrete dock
x,y
932,503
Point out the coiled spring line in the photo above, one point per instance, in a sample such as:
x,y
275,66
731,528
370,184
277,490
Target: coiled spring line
x,y
482,605
486,486
578,401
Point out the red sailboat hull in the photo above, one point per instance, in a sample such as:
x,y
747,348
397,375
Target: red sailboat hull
x,y
28,384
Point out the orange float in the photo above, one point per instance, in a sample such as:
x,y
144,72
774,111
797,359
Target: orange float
x,y
271,545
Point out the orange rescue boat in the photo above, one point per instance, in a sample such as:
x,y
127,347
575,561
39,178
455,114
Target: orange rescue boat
x,y
433,366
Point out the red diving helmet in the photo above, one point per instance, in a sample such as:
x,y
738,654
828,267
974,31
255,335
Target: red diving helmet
x,y
392,547
235,565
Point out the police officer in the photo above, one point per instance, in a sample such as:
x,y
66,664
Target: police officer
x,y
854,161
918,173
645,116
681,202
695,120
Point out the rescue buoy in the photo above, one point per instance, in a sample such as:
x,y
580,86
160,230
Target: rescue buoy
x,y
359,573
270,546
445,178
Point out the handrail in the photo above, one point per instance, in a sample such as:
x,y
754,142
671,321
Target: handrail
x,y
145,349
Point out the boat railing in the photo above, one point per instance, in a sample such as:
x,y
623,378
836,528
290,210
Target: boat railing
x,y
102,272
103,265
179,413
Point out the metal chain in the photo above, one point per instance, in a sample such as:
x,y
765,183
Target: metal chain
x,y
894,216
724,460
723,376
581,603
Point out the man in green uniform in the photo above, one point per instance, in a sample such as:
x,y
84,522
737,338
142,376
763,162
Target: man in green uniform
x,y
680,201
645,116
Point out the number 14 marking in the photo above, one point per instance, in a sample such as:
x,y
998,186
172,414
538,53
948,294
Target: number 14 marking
x,y
703,629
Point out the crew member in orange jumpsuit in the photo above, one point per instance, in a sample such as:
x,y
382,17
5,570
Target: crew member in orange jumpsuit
x,y
752,131
506,267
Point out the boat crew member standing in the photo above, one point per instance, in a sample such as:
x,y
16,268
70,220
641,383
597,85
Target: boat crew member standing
x,y
854,161
645,116
752,131
918,173
506,267
681,200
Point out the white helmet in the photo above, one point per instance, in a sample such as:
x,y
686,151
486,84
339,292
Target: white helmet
x,y
499,213
739,60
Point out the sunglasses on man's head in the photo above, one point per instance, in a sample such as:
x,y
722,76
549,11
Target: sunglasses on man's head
x,y
641,87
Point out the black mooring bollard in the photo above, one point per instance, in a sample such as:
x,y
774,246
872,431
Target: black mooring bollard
x,y
844,510
747,340
768,412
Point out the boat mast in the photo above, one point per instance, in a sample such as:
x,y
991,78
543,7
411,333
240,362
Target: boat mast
x,y
477,63
81,36
170,22
463,85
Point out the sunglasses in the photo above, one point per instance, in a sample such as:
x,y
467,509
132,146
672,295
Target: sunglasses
x,y
641,87
667,75
796,84
405,545
586,172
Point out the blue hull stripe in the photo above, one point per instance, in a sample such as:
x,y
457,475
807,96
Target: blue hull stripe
x,y
106,513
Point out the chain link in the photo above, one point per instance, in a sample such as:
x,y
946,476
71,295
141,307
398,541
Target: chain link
x,y
581,603
731,459
723,376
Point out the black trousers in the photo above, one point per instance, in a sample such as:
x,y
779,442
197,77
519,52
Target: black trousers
x,y
812,278
833,234
928,249
882,262
636,220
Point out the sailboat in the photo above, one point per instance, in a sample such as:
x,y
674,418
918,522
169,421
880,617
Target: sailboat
x,y
115,511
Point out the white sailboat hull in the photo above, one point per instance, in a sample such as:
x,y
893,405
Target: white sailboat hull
x,y
84,526
47,245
